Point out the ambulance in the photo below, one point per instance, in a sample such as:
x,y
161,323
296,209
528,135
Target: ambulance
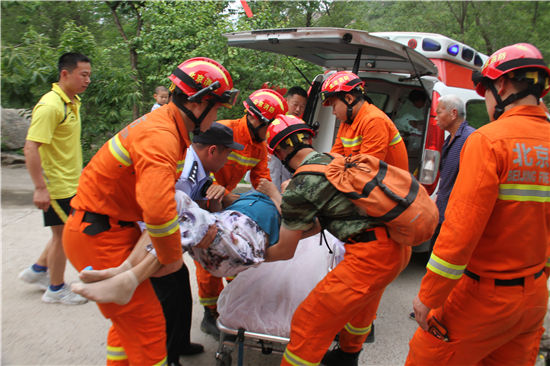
x,y
395,67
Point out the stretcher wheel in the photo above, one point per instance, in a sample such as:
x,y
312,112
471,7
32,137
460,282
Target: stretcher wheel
x,y
224,359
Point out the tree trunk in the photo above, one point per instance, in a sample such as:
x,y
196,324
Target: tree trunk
x,y
489,46
133,51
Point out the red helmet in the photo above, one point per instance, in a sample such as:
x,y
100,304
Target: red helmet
x,y
341,82
282,127
509,59
266,103
202,77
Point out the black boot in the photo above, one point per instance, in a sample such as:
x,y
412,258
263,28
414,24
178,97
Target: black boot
x,y
370,337
192,349
208,324
337,357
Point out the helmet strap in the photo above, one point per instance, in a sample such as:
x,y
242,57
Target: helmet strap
x,y
349,110
254,131
289,157
196,120
502,104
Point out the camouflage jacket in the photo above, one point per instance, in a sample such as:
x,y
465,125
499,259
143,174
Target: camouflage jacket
x,y
310,196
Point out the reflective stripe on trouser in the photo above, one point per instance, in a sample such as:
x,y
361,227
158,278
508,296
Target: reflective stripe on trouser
x,y
348,294
209,286
138,328
486,324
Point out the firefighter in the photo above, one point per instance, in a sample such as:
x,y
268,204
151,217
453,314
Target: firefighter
x,y
483,298
347,298
364,128
132,178
261,108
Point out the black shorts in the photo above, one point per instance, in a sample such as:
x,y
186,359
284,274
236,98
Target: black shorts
x,y
58,212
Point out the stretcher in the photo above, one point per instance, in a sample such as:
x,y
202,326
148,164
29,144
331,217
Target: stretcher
x,y
256,308
240,338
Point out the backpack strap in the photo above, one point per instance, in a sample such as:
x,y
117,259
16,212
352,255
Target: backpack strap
x,y
315,169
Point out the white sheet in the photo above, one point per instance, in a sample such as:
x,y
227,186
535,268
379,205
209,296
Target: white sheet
x,y
263,299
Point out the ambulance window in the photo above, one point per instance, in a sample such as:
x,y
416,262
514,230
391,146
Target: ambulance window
x,y
467,54
476,113
378,99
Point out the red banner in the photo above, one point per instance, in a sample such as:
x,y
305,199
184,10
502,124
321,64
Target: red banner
x,y
246,8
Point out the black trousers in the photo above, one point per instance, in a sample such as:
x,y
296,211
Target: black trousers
x,y
174,294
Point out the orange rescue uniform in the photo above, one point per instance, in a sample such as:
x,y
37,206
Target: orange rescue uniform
x,y
484,279
252,158
131,178
372,132
345,300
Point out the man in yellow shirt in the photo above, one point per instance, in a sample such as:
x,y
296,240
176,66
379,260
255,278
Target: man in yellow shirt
x,y
53,156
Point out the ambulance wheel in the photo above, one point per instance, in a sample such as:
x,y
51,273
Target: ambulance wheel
x,y
224,359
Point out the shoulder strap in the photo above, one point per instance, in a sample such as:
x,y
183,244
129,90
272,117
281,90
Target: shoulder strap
x,y
315,169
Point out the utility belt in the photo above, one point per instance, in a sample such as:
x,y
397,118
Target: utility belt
x,y
100,223
369,235
513,282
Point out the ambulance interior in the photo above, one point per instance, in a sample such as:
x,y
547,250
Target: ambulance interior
x,y
390,93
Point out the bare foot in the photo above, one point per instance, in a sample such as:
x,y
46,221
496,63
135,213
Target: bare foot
x,y
93,275
118,289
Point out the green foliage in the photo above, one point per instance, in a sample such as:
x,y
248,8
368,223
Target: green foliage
x,y
27,70
176,31
77,39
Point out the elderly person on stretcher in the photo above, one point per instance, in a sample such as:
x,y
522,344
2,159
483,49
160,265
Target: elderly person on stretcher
x,y
225,243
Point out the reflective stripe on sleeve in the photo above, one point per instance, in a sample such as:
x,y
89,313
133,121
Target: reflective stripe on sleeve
x,y
547,262
396,139
180,165
165,229
347,142
243,160
292,359
119,152
524,193
445,269
116,353
357,331
163,362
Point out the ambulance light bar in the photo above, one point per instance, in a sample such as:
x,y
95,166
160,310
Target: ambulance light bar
x,y
437,46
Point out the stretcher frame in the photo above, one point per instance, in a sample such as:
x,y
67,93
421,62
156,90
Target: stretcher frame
x,y
266,343
231,338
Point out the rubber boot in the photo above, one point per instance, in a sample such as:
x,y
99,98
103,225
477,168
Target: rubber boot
x,y
208,324
337,357
370,337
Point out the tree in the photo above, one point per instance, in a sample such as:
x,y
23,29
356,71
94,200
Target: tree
x,y
134,46
134,8
26,70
